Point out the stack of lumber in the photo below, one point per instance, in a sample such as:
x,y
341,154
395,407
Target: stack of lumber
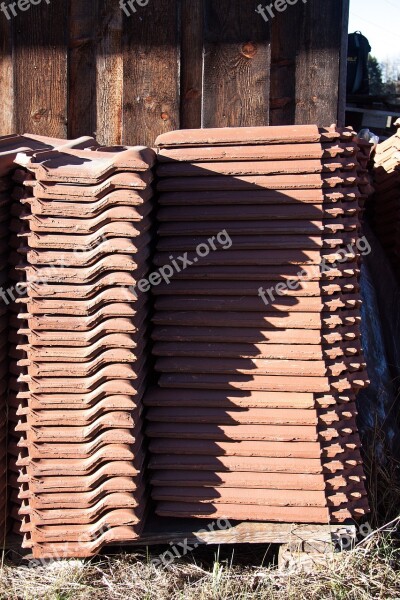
x,y
257,334
81,242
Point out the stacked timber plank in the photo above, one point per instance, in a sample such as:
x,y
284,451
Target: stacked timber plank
x,y
82,241
254,414
385,202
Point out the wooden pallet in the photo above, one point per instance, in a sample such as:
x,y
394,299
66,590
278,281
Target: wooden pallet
x,y
296,541
206,531
303,545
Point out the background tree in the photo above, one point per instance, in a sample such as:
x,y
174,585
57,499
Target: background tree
x,y
376,85
384,77
391,75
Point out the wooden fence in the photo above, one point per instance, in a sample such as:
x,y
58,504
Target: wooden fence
x,y
78,67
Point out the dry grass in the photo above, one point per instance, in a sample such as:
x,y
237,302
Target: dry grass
x,y
382,471
369,571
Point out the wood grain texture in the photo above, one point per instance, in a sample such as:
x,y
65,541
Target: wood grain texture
x,y
318,63
308,71
151,72
83,19
343,64
192,30
78,68
160,531
40,69
110,74
236,65
285,40
6,78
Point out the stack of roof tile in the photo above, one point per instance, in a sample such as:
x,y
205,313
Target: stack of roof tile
x,y
385,201
82,236
5,185
10,145
254,414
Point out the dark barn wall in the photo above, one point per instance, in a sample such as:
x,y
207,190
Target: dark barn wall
x,y
79,67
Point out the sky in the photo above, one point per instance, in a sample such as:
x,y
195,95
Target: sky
x,y
379,21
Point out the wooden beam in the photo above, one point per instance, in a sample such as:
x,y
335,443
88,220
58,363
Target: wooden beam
x,y
40,69
110,74
309,62
318,63
204,531
83,21
192,31
236,65
343,64
6,77
151,72
285,41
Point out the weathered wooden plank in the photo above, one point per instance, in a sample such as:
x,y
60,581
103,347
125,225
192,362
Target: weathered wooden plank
x,y
151,71
160,531
318,63
309,55
40,69
6,78
83,20
164,531
192,25
236,65
109,74
285,39
343,64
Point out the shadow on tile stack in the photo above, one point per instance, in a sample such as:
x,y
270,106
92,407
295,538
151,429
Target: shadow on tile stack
x,y
385,203
82,224
254,414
